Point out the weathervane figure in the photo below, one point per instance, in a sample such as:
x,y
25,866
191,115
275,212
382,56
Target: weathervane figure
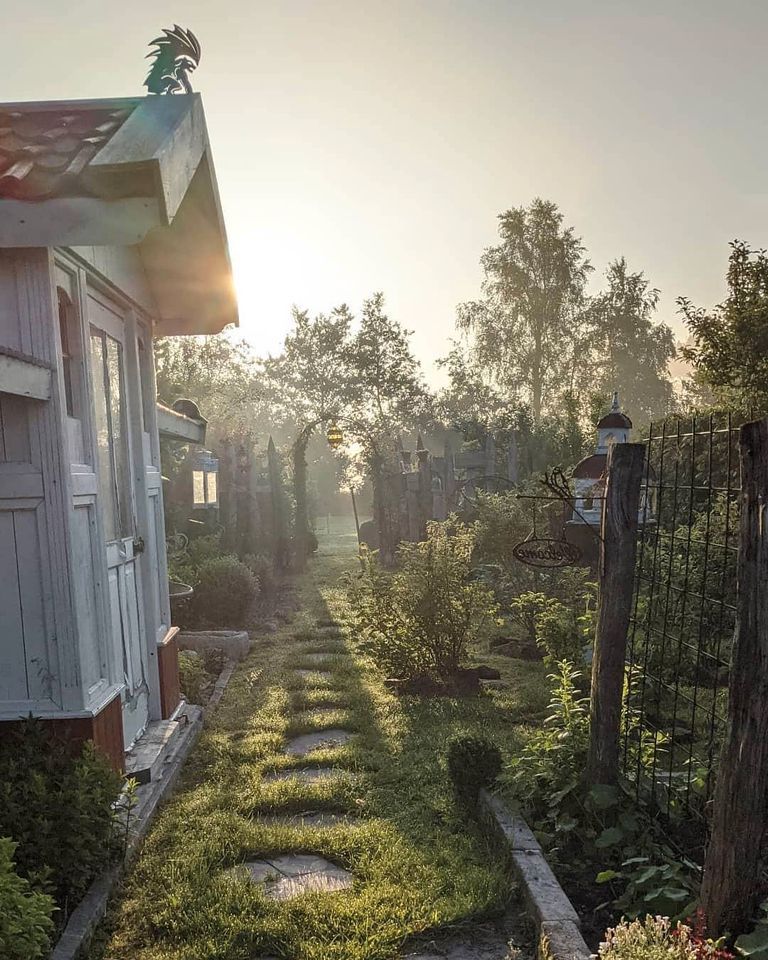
x,y
176,54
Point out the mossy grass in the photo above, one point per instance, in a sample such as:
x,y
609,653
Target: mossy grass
x,y
418,864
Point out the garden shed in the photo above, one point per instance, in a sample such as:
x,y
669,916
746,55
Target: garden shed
x,y
110,234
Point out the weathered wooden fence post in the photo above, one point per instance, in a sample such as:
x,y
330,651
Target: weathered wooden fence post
x,y
735,856
617,572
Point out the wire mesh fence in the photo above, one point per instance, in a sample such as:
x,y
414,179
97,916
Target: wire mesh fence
x,y
683,616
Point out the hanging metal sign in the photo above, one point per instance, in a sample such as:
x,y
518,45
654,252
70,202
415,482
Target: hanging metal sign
x,y
545,552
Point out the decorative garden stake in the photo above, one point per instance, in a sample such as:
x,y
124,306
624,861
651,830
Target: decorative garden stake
x,y
176,55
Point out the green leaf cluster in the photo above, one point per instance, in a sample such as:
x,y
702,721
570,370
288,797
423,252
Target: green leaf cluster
x,y
56,804
421,619
26,926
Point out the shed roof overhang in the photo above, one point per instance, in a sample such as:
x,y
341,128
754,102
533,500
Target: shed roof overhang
x,y
148,181
178,426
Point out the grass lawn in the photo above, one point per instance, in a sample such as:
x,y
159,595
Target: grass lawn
x,y
417,864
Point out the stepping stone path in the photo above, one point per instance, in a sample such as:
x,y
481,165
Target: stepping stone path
x,y
322,674
301,746
310,818
307,775
317,658
295,873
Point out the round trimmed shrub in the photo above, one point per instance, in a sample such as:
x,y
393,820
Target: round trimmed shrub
x,y
224,588
474,763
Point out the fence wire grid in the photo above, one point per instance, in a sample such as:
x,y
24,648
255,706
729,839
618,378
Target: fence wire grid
x,y
683,613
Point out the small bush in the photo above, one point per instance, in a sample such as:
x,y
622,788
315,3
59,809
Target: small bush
x,y
420,620
25,914
474,763
57,807
656,938
224,590
193,676
263,569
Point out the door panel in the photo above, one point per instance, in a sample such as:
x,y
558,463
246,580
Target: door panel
x,y
117,498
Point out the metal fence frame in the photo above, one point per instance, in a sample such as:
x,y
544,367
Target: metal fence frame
x,y
683,613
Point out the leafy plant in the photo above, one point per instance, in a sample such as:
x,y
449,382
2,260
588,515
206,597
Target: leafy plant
x,y
26,926
57,805
193,676
420,620
224,588
474,763
655,938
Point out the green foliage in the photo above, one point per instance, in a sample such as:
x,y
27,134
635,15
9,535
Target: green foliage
x,y
632,353
26,926
193,677
224,588
755,943
57,806
527,329
656,938
730,344
599,827
420,620
474,763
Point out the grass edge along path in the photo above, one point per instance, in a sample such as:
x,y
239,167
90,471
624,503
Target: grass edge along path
x,y
418,865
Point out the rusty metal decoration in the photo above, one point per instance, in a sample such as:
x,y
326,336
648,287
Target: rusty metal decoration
x,y
177,54
546,552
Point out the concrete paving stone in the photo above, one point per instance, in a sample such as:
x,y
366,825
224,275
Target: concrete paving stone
x,y
307,775
320,674
293,874
317,658
485,941
311,818
322,739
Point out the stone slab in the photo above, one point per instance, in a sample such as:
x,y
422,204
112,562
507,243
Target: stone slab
x,y
563,941
236,644
485,941
307,775
321,740
516,832
293,874
145,760
320,674
315,659
544,894
316,819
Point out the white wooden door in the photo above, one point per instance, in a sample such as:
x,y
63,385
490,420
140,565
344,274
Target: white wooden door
x,y
117,498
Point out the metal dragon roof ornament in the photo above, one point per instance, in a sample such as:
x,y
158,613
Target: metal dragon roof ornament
x,y
176,54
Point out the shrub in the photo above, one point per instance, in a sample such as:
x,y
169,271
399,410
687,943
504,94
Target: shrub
x,y
224,590
655,938
420,620
57,807
474,763
263,569
193,676
25,914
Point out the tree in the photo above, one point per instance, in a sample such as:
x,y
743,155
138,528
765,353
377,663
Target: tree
x,y
391,397
729,349
631,352
528,329
313,378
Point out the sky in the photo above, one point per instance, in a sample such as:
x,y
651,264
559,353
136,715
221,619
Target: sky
x,y
364,145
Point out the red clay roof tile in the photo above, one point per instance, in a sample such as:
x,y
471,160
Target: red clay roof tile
x,y
44,153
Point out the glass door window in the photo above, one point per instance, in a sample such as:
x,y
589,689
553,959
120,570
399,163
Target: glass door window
x,y
111,436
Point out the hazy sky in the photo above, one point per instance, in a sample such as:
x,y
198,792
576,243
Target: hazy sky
x,y
364,145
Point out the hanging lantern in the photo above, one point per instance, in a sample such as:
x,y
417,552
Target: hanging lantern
x,y
334,436
205,487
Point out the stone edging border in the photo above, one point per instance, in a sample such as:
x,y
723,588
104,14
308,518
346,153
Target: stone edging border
x,y
90,911
558,926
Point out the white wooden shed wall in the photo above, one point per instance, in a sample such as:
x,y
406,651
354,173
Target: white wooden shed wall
x,y
59,655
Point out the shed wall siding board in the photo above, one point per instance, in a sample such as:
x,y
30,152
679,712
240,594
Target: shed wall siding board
x,y
13,671
42,683
122,267
37,314
10,335
92,642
